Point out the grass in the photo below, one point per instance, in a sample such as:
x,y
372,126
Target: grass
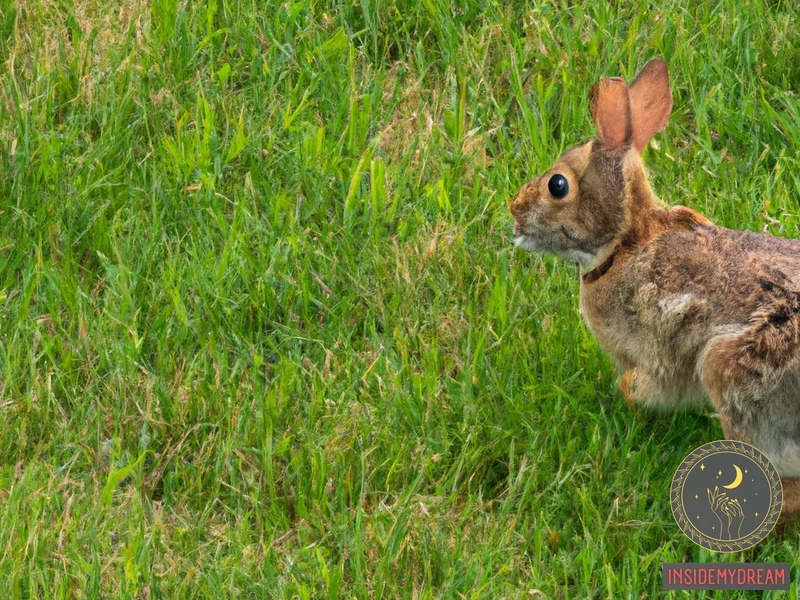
x,y
262,331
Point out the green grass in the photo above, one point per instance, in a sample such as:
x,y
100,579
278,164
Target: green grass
x,y
262,331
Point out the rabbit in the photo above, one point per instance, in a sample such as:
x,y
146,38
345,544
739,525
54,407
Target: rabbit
x,y
693,314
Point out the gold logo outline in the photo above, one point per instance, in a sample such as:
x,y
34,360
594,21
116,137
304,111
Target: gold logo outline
x,y
743,449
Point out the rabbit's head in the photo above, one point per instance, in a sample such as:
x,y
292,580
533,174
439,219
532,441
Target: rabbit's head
x,y
596,195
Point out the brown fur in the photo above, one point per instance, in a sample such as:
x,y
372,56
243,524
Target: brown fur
x,y
791,496
627,385
694,314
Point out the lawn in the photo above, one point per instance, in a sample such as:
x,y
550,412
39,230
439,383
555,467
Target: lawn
x,y
262,329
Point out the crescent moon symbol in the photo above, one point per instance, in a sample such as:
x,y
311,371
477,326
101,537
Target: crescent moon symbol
x,y
736,481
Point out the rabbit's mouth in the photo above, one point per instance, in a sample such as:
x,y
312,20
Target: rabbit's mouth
x,y
533,237
559,243
542,242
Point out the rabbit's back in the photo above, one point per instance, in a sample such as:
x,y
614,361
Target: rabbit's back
x,y
666,300
739,275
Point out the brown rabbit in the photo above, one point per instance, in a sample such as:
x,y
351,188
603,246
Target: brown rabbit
x,y
691,312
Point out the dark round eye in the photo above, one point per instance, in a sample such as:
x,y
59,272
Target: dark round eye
x,y
558,186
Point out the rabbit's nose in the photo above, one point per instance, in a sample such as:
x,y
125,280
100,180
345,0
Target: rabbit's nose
x,y
519,206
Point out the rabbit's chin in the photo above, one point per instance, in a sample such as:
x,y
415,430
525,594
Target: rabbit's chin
x,y
535,245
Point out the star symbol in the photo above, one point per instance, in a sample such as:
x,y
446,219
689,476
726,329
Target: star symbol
x,y
702,467
719,473
745,470
745,499
695,497
756,514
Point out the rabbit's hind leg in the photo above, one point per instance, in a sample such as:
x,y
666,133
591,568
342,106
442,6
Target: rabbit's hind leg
x,y
791,498
756,403
728,382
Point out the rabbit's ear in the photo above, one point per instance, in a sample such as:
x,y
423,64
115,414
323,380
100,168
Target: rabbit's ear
x,y
651,102
611,111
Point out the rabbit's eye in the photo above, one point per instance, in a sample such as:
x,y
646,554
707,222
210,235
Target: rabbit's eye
x,y
558,186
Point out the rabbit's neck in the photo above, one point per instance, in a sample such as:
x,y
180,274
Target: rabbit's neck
x,y
644,207
603,259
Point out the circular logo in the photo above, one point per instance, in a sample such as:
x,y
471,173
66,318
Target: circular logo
x,y
726,496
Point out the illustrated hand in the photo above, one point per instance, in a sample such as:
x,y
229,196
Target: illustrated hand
x,y
718,500
735,514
